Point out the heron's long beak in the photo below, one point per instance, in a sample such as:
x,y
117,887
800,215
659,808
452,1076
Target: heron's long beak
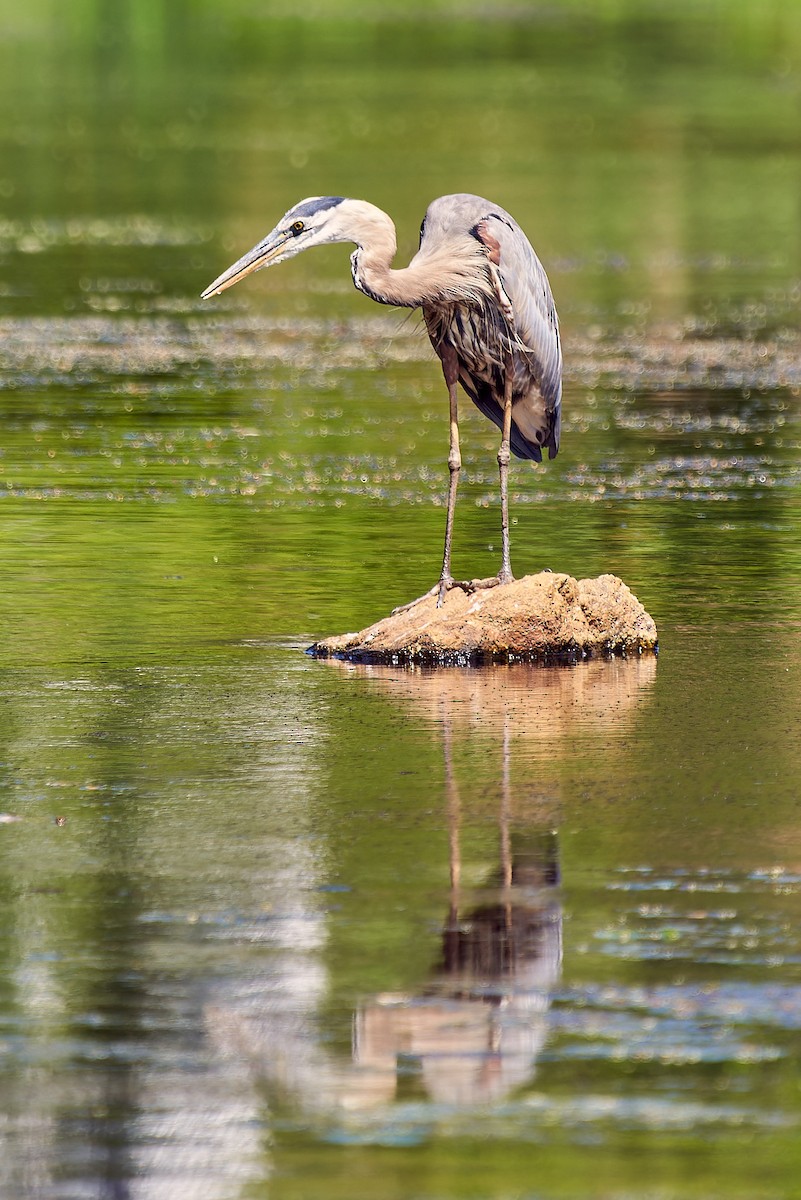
x,y
260,256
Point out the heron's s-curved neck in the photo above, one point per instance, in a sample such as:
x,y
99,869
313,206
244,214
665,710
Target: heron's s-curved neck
x,y
450,272
371,265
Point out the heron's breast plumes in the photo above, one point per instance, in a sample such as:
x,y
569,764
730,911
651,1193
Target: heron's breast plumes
x,y
481,337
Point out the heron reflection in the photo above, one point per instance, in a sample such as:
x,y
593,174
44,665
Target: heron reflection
x,y
474,1031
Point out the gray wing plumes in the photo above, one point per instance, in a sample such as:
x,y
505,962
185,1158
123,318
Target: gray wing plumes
x,y
515,323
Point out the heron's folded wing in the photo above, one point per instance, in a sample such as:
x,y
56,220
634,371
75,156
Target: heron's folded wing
x,y
533,311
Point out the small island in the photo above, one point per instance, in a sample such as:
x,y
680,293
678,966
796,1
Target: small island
x,y
545,618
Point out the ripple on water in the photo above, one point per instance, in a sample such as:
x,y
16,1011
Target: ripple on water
x,y
122,403
540,1119
690,923
750,928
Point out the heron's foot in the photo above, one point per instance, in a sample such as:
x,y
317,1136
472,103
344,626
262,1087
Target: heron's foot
x,y
477,585
447,583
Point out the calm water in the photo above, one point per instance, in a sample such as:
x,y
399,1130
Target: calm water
x,y
280,928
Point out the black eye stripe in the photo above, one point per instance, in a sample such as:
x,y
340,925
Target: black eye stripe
x,y
296,227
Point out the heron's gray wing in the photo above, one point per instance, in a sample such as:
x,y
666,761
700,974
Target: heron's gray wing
x,y
533,314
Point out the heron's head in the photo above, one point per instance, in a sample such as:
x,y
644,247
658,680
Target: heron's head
x,y
312,222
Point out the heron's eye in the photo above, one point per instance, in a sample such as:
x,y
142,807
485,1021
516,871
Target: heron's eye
x,y
296,227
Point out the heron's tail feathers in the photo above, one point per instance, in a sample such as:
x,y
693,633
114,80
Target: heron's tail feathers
x,y
535,424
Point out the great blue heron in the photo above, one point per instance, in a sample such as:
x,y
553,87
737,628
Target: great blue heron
x,y
487,306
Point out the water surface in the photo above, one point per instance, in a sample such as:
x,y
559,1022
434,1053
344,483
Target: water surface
x,y
277,928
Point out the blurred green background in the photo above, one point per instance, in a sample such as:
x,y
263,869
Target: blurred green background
x,y
652,155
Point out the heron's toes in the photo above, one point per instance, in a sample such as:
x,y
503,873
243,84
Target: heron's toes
x,y
447,583
478,585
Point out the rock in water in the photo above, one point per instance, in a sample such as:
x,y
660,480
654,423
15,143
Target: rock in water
x,y
540,618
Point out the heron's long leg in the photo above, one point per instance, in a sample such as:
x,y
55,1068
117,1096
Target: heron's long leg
x,y
504,454
450,368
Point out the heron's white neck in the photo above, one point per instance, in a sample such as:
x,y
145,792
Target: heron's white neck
x,y
450,272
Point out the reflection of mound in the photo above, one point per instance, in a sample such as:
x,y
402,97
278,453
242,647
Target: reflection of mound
x,y
530,701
